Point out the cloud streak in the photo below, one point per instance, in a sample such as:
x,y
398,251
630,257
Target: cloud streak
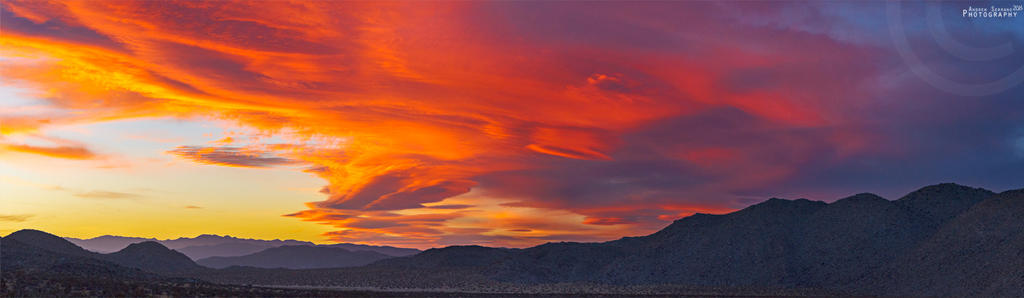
x,y
230,156
15,217
107,195
67,152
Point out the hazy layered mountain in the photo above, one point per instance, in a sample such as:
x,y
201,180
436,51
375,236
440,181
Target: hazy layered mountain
x,y
207,239
206,245
298,257
201,246
106,243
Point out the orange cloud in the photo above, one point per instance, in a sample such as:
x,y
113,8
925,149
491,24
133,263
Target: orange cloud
x,y
402,107
68,152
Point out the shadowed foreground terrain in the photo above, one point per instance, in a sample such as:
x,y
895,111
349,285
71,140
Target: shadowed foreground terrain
x,y
943,240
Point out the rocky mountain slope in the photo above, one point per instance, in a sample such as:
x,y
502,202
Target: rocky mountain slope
x,y
943,239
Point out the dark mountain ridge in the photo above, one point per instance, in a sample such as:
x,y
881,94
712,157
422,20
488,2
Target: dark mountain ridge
x,y
940,240
383,249
148,256
27,267
844,245
978,253
47,242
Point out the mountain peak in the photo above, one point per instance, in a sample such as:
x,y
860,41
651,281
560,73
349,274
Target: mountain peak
x,y
944,201
946,191
862,197
212,236
776,203
146,246
46,241
29,233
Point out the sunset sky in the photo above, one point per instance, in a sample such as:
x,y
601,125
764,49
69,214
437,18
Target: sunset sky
x,y
425,124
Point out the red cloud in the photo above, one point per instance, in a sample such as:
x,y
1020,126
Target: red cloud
x,y
398,105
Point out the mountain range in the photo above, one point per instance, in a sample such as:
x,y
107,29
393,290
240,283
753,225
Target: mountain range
x,y
941,240
149,255
206,245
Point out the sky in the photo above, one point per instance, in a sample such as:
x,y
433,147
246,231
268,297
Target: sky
x,y
514,123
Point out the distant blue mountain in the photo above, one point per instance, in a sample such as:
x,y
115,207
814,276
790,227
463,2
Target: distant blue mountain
x,y
206,245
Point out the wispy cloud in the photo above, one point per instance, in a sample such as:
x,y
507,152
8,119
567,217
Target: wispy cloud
x,y
107,195
68,152
231,156
15,217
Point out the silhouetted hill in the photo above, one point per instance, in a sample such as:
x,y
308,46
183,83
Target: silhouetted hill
x,y
154,257
297,257
40,264
46,241
18,256
148,256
